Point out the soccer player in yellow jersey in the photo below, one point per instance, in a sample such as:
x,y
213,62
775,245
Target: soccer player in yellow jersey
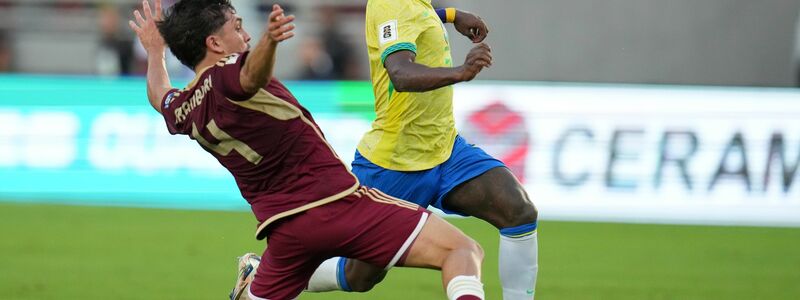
x,y
413,150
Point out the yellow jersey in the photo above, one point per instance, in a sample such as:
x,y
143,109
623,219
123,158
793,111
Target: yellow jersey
x,y
411,131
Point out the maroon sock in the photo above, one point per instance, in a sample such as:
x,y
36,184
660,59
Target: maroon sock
x,y
468,297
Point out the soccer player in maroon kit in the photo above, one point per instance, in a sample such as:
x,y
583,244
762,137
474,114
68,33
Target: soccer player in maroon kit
x,y
309,206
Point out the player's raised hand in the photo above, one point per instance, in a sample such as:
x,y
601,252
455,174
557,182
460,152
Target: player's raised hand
x,y
471,26
478,58
146,29
280,26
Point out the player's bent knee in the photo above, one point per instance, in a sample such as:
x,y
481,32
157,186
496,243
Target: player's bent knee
x,y
522,214
515,209
528,214
468,245
476,250
438,242
523,211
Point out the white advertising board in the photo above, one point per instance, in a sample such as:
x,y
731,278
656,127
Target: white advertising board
x,y
644,154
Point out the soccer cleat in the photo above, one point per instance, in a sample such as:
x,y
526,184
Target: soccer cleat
x,y
248,263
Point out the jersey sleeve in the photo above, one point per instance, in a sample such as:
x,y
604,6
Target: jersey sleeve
x,y
396,27
225,77
171,111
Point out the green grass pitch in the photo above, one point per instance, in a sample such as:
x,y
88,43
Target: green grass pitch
x,y
73,252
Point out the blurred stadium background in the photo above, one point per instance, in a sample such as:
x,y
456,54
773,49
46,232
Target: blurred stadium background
x,y
659,139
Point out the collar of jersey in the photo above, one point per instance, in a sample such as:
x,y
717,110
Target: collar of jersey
x,y
197,77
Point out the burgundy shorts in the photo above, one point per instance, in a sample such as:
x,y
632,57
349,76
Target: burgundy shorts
x,y
367,225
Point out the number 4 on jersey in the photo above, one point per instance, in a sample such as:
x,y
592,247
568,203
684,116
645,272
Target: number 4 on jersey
x,y
226,143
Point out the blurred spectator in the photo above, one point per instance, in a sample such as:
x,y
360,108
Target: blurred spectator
x,y
115,54
317,64
5,52
330,55
175,68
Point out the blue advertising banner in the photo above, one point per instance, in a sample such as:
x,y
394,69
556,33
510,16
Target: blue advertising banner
x,y
84,140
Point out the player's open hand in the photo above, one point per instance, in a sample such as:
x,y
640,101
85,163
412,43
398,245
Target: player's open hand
x,y
146,29
280,26
478,58
471,26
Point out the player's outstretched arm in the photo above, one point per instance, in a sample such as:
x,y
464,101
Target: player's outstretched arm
x,y
409,76
257,70
158,83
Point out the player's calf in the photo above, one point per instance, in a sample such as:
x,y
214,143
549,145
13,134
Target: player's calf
x,y
498,198
343,274
362,277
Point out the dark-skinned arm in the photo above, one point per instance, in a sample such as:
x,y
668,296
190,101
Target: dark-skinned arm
x,y
408,76
466,23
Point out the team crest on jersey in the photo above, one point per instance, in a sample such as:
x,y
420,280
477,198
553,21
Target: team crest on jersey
x,y
169,99
387,32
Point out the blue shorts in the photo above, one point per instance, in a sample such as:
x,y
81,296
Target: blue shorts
x,y
427,187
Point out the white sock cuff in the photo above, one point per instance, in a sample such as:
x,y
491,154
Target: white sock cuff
x,y
325,278
464,285
520,238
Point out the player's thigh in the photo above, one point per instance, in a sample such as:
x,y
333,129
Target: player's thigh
x,y
435,242
286,265
495,196
377,228
275,281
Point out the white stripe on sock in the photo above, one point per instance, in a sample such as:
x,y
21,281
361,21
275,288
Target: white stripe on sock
x,y
464,285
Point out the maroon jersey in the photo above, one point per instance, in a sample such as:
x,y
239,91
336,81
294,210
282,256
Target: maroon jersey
x,y
269,142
